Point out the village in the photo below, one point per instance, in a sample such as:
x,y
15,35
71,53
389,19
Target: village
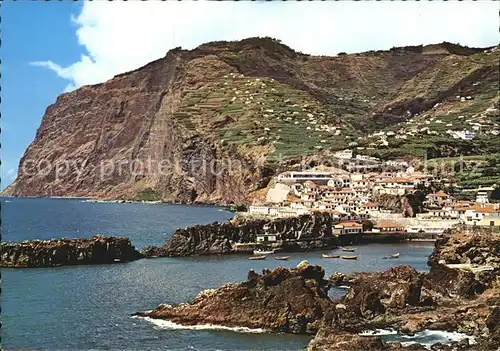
x,y
350,197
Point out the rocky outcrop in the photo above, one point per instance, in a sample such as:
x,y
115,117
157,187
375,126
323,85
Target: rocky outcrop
x,y
449,298
221,238
58,252
455,295
408,205
282,300
208,124
465,245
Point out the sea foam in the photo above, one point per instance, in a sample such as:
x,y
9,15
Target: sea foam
x,y
378,332
164,324
426,337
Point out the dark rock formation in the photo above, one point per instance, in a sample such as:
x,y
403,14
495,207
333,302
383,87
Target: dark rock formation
x,y
282,300
220,238
58,252
449,298
408,205
464,245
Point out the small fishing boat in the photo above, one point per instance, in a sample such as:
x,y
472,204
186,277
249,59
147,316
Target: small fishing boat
x,y
263,252
347,249
396,255
330,256
350,257
281,258
261,257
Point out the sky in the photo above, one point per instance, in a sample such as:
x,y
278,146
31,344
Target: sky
x,y
52,47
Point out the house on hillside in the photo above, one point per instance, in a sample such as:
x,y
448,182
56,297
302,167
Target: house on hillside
x,y
483,195
478,214
439,199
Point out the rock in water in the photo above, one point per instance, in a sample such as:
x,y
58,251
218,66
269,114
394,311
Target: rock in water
x,y
58,252
281,300
303,263
217,238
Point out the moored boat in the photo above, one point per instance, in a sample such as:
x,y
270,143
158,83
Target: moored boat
x,y
349,249
281,258
396,255
263,252
329,256
261,257
350,257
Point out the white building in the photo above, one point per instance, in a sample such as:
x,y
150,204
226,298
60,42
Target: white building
x,y
344,154
465,134
483,195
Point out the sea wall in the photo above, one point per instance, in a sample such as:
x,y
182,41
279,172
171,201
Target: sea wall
x,y
58,252
306,232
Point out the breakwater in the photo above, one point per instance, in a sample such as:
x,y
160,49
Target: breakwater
x,y
58,252
308,232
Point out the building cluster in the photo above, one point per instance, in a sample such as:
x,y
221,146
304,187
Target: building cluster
x,y
349,197
442,206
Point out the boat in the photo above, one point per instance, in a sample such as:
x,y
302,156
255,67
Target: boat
x,y
281,258
330,256
396,255
350,257
261,257
262,252
346,249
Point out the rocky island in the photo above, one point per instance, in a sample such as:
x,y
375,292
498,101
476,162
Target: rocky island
x,y
58,252
307,232
460,293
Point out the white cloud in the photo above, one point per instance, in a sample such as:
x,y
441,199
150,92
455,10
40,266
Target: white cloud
x,y
11,174
121,36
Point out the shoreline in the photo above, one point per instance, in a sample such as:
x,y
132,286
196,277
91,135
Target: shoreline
x,y
122,201
447,300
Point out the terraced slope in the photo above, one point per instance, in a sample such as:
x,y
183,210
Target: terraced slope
x,y
211,124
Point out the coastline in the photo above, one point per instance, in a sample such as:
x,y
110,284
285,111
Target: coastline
x,y
449,300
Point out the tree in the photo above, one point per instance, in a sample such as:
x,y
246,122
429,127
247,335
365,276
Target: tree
x,y
367,225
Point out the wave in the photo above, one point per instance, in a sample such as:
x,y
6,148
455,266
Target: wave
x,y
378,332
426,337
164,324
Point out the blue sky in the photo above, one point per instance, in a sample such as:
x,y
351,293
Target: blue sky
x,y
31,31
51,47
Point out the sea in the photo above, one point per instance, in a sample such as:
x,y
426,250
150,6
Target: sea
x,y
91,307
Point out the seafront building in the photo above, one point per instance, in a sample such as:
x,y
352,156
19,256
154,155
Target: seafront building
x,y
350,197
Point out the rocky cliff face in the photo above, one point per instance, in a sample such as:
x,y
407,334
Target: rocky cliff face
x,y
408,205
219,238
206,125
59,252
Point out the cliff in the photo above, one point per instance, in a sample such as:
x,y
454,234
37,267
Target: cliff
x,y
408,205
222,238
58,252
211,124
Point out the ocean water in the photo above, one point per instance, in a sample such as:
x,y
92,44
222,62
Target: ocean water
x,y
90,307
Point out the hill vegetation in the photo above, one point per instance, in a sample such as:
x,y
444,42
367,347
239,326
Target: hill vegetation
x,y
259,102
